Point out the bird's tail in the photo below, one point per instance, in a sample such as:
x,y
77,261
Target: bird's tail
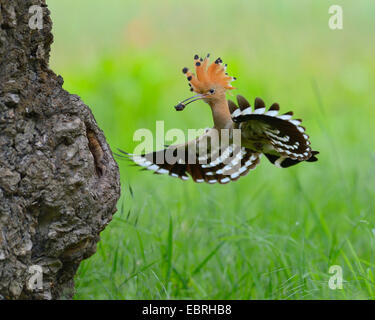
x,y
284,162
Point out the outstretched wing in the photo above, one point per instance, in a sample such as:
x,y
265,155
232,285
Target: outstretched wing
x,y
219,164
282,139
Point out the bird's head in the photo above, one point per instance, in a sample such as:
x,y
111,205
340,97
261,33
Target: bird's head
x,y
210,81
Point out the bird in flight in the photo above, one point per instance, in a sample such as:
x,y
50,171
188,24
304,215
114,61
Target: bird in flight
x,y
240,136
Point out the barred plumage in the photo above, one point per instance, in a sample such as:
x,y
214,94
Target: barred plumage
x,y
277,136
221,166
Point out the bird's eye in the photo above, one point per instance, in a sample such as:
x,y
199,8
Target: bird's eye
x,y
212,91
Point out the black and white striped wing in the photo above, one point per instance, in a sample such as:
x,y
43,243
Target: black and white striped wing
x,y
286,136
218,166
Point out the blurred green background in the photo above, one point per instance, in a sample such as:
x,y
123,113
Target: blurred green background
x,y
273,234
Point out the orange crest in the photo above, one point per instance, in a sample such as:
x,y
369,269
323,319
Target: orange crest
x,y
208,75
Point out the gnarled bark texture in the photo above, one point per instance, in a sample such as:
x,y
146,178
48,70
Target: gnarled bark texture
x,y
59,183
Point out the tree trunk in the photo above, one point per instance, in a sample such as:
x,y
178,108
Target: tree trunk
x,y
59,183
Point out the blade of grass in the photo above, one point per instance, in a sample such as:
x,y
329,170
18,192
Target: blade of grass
x,y
169,250
358,262
141,248
205,260
138,272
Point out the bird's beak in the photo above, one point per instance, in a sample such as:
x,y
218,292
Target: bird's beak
x,y
181,106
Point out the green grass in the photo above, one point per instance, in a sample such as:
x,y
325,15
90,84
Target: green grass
x,y
273,234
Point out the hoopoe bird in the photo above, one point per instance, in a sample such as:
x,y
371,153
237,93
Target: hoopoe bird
x,y
216,156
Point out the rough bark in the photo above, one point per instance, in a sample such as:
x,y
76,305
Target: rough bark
x,y
59,183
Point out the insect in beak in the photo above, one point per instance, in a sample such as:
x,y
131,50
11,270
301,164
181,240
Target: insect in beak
x,y
181,106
